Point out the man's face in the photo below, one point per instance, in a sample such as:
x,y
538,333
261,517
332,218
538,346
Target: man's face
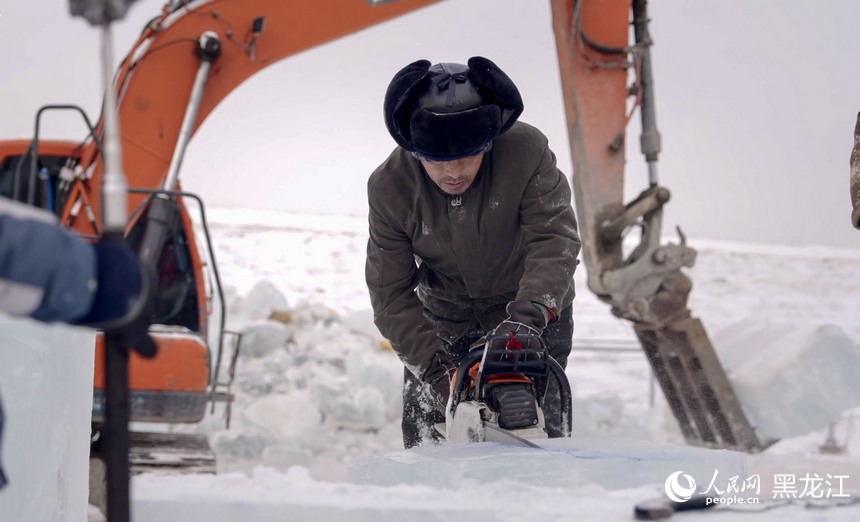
x,y
454,177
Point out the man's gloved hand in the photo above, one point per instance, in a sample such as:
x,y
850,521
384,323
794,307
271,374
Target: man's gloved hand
x,y
438,377
121,298
524,317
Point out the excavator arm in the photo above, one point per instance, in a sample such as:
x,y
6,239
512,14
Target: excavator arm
x,y
155,81
646,286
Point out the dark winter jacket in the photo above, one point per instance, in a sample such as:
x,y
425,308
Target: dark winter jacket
x,y
511,235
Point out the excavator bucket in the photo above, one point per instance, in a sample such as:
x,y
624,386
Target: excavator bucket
x,y
647,286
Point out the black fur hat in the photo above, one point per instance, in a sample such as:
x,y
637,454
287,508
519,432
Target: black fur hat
x,y
448,111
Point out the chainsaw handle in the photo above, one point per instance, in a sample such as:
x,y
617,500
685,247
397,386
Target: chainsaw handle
x,y
511,359
547,363
473,357
565,395
492,366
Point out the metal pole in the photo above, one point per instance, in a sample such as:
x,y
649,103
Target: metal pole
x,y
101,13
114,188
114,215
650,139
208,49
163,210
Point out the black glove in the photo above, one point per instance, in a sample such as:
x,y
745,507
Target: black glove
x,y
120,287
438,377
121,304
524,317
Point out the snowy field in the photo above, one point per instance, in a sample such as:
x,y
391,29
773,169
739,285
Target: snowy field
x,y
315,435
315,432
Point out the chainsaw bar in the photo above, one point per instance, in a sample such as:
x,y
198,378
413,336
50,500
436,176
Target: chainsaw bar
x,y
509,436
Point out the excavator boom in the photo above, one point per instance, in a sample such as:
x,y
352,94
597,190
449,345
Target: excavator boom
x,y
154,81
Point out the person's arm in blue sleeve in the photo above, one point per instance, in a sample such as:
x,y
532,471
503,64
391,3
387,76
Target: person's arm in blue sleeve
x,y
46,272
49,274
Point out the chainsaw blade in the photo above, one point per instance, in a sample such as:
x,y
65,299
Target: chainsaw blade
x,y
507,436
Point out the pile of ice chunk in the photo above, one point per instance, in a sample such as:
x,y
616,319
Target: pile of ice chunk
x,y
312,387
790,379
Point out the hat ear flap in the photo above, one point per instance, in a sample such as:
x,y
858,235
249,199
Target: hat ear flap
x,y
397,98
499,87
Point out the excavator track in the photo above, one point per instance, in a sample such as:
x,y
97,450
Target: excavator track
x,y
153,452
173,453
165,453
170,453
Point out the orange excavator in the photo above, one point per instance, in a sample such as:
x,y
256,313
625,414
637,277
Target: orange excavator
x,y
194,53
206,49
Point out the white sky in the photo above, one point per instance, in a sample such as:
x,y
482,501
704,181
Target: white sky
x,y
756,104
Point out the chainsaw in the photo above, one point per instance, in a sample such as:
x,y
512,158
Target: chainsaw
x,y
499,391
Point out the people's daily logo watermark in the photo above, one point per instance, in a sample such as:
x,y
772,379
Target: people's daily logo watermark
x,y
680,487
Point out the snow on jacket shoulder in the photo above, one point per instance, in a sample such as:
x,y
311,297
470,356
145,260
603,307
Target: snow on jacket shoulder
x,y
511,235
46,272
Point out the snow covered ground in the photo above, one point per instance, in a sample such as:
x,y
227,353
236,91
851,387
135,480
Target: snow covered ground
x,y
314,429
315,432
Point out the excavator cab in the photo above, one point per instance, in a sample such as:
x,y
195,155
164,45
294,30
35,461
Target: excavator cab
x,y
53,167
172,387
176,291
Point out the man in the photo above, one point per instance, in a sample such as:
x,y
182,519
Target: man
x,y
471,211
49,274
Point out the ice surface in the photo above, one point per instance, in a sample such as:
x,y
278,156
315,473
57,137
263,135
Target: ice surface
x,y
569,463
46,381
267,495
791,379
